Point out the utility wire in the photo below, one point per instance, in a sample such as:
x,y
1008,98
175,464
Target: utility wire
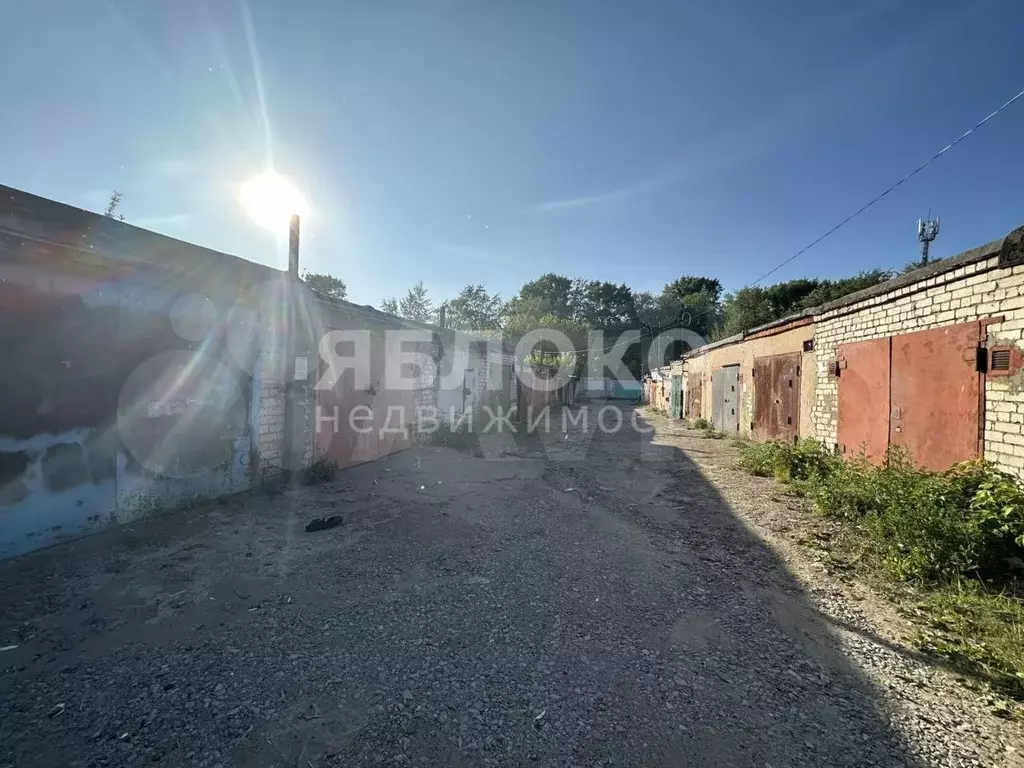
x,y
849,218
883,194
891,188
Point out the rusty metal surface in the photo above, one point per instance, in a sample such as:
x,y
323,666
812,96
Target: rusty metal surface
x,y
693,389
864,398
936,390
777,397
386,431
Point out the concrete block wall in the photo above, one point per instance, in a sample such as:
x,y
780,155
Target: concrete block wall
x,y
270,423
492,394
425,399
980,290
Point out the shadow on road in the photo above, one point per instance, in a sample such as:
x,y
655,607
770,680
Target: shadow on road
x,y
578,598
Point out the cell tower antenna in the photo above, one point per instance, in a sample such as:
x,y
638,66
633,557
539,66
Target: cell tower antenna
x,y
927,230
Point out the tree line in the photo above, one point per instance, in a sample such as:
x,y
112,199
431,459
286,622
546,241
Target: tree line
x,y
691,301
574,306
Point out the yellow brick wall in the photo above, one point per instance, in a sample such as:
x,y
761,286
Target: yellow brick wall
x,y
973,292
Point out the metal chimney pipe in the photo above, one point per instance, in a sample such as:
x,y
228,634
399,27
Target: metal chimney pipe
x,y
293,246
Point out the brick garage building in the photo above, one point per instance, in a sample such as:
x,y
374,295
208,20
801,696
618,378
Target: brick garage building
x,y
143,372
660,385
759,384
929,361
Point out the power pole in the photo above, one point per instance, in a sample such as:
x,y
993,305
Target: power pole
x,y
927,230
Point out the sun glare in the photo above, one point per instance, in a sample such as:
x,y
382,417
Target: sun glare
x,y
272,200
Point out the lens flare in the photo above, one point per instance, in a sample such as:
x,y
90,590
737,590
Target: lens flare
x,y
272,200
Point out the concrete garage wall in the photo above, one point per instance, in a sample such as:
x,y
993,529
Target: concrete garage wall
x,y
694,373
142,372
985,284
123,391
491,369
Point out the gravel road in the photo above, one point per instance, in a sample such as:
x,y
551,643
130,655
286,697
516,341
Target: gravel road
x,y
577,599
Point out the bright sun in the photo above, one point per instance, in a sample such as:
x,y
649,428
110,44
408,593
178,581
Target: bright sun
x,y
272,200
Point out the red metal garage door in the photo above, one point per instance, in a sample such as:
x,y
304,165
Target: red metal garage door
x,y
347,436
777,397
864,398
936,390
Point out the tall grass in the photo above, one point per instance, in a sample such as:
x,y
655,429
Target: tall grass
x,y
931,527
957,535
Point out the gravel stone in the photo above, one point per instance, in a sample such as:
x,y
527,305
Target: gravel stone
x,y
473,612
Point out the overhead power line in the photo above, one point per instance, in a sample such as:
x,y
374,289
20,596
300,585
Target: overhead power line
x,y
853,215
892,187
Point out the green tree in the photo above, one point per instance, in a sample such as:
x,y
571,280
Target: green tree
x,y
745,309
112,206
545,350
791,296
753,306
553,293
328,285
602,305
830,290
416,305
692,301
474,309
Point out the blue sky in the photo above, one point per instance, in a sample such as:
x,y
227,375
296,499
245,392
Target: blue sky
x,y
459,141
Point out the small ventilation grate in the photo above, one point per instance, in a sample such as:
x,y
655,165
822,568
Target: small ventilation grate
x,y
1000,360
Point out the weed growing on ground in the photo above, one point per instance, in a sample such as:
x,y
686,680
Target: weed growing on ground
x,y
701,423
787,463
958,535
978,630
322,470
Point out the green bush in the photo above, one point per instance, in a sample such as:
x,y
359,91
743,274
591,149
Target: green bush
x,y
930,527
700,423
786,462
959,534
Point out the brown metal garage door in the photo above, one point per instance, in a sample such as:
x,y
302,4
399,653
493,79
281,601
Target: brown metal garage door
x,y
693,387
777,397
936,394
864,398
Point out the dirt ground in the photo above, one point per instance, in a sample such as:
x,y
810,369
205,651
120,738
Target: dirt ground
x,y
578,598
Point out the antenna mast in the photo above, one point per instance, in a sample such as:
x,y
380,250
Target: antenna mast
x,y
927,230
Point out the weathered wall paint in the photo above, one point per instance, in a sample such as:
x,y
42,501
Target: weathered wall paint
x,y
701,364
122,394
142,372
